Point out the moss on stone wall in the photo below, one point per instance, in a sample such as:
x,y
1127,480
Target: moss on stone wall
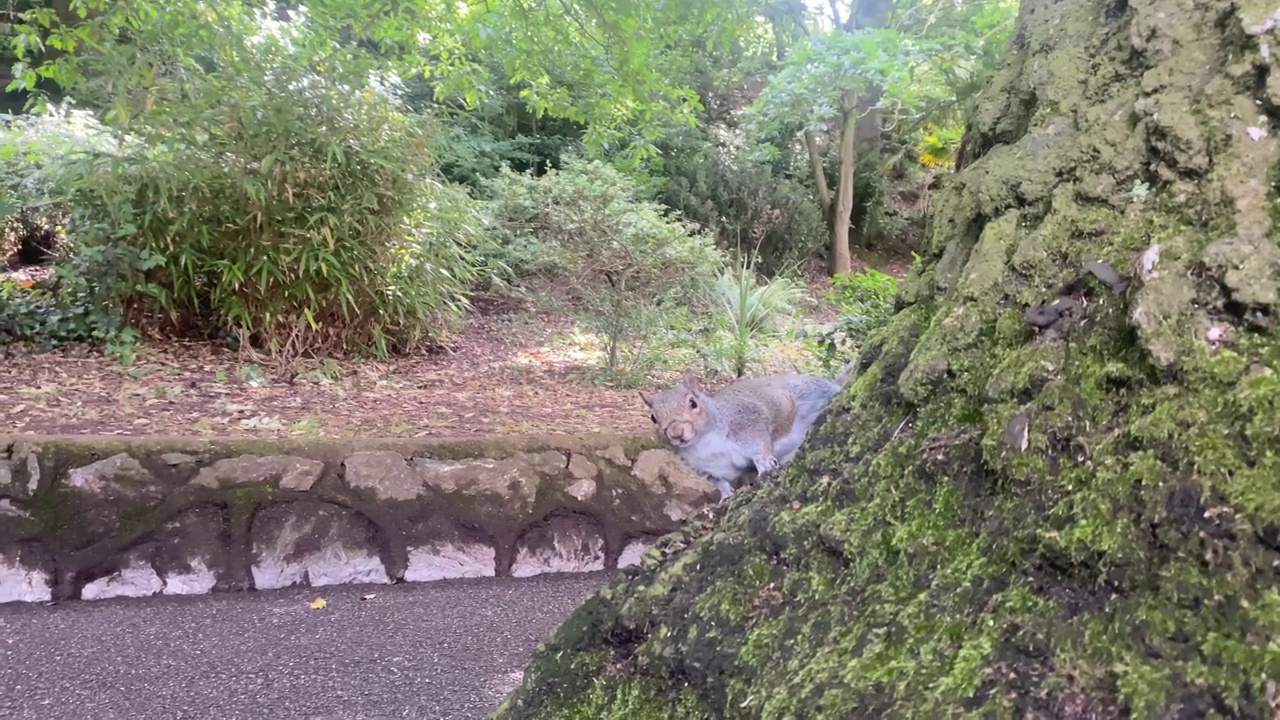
x,y
77,450
1054,489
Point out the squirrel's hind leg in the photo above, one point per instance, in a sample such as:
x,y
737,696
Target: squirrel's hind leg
x,y
790,445
725,488
761,451
765,461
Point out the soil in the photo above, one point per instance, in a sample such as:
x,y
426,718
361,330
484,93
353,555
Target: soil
x,y
504,374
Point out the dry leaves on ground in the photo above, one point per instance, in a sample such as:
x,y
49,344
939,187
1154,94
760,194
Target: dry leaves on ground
x,y
500,378
503,375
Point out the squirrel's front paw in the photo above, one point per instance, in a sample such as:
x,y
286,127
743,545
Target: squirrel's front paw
x,y
766,463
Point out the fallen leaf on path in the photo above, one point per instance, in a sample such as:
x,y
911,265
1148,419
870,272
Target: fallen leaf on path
x,y
319,604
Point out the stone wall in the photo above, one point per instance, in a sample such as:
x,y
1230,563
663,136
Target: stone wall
x,y
96,517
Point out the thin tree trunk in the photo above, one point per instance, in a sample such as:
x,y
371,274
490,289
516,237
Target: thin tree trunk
x,y
819,171
841,259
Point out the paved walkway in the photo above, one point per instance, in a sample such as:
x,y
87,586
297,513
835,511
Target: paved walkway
x,y
430,651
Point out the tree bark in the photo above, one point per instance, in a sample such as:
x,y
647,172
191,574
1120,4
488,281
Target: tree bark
x,y
841,260
819,171
1052,489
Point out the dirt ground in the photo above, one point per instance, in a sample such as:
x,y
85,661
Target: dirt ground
x,y
504,374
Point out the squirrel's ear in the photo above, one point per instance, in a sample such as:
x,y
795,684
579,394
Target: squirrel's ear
x,y
691,380
645,397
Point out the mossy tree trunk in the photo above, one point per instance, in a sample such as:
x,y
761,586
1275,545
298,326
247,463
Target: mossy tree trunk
x,y
1054,488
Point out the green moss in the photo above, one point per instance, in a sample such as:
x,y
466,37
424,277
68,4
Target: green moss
x,y
956,346
984,274
630,697
1026,370
59,453
244,499
915,285
47,512
137,519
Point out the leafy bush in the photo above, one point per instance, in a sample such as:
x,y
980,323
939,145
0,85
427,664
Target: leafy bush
x,y
746,203
32,147
937,146
473,147
268,186
471,152
865,300
74,306
630,274
38,318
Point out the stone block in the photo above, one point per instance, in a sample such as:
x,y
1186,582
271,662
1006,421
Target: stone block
x,y
313,544
559,545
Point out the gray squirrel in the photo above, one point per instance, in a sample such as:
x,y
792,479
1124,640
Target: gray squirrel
x,y
755,422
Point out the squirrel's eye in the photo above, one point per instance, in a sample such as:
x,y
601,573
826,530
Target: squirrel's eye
x,y
654,418
693,404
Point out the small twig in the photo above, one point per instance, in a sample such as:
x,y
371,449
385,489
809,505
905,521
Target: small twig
x,y
902,425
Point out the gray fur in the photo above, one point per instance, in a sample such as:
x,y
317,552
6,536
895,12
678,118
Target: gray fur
x,y
755,423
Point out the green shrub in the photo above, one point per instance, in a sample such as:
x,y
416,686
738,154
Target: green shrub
x,y
500,130
866,301
74,306
472,148
268,186
470,151
745,203
38,318
748,315
32,147
631,275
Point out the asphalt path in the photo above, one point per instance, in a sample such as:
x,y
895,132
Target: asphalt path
x,y
430,651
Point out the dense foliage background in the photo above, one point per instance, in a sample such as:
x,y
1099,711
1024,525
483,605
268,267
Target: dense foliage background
x,y
339,177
